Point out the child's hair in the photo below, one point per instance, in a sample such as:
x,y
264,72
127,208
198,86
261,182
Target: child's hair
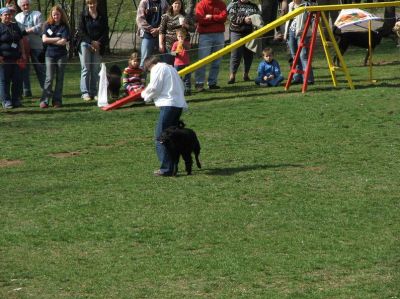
x,y
64,19
134,57
182,31
268,51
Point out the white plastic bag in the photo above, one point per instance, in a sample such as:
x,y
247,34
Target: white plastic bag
x,y
102,97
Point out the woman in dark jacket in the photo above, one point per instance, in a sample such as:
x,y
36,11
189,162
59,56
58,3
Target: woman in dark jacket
x,y
174,19
11,50
93,32
240,13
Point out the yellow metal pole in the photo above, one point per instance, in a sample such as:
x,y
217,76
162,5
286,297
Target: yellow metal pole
x,y
370,49
337,52
324,42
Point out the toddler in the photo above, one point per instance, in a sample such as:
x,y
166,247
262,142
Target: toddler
x,y
269,72
133,77
182,59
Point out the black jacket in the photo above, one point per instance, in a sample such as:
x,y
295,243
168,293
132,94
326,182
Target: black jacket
x,y
93,29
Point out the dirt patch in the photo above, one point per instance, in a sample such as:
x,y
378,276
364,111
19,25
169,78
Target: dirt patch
x,y
65,154
10,163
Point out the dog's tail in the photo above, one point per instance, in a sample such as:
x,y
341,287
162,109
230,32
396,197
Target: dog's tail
x,y
181,124
196,150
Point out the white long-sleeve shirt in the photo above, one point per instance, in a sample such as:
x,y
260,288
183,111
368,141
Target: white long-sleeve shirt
x,y
32,19
165,87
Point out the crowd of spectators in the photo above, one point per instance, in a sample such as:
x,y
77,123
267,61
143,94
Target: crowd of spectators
x,y
164,26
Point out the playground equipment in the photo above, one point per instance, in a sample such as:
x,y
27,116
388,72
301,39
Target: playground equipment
x,y
282,20
121,102
316,16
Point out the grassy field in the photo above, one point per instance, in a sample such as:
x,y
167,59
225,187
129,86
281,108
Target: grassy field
x,y
298,196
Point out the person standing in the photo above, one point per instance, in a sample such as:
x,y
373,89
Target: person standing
x,y
174,19
210,16
11,50
30,22
166,90
93,34
240,13
56,35
148,20
269,12
293,31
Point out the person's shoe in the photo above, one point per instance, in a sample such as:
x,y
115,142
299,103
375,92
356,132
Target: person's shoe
x,y
43,105
7,105
213,86
199,87
86,98
246,77
158,172
231,79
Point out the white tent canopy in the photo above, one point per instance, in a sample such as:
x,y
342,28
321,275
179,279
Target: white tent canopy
x,y
357,20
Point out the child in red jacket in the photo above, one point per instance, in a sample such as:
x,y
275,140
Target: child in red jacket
x,y
180,51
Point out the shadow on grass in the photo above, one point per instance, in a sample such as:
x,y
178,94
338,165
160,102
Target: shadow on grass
x,y
233,170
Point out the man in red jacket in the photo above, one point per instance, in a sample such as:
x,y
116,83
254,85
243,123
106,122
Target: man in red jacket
x,y
210,16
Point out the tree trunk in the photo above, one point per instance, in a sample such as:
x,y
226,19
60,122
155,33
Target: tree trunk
x,y
102,7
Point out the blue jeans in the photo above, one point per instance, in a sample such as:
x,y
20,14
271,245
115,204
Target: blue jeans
x,y
54,69
10,80
209,43
147,48
273,82
293,43
90,68
169,116
39,68
186,78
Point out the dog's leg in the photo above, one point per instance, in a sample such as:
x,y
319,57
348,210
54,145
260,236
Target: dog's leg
x,y
175,164
187,157
196,151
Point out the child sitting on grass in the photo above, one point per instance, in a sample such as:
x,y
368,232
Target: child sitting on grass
x,y
269,72
133,77
182,59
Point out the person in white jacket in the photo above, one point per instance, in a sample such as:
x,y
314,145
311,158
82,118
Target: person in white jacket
x,y
293,31
167,91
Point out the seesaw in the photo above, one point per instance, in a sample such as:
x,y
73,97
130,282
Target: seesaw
x,y
125,100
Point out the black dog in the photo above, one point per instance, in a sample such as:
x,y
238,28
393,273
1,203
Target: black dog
x,y
181,141
358,39
114,81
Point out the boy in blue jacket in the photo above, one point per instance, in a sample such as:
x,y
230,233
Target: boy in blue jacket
x,y
269,72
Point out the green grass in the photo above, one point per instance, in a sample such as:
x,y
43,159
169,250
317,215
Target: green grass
x,y
298,196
